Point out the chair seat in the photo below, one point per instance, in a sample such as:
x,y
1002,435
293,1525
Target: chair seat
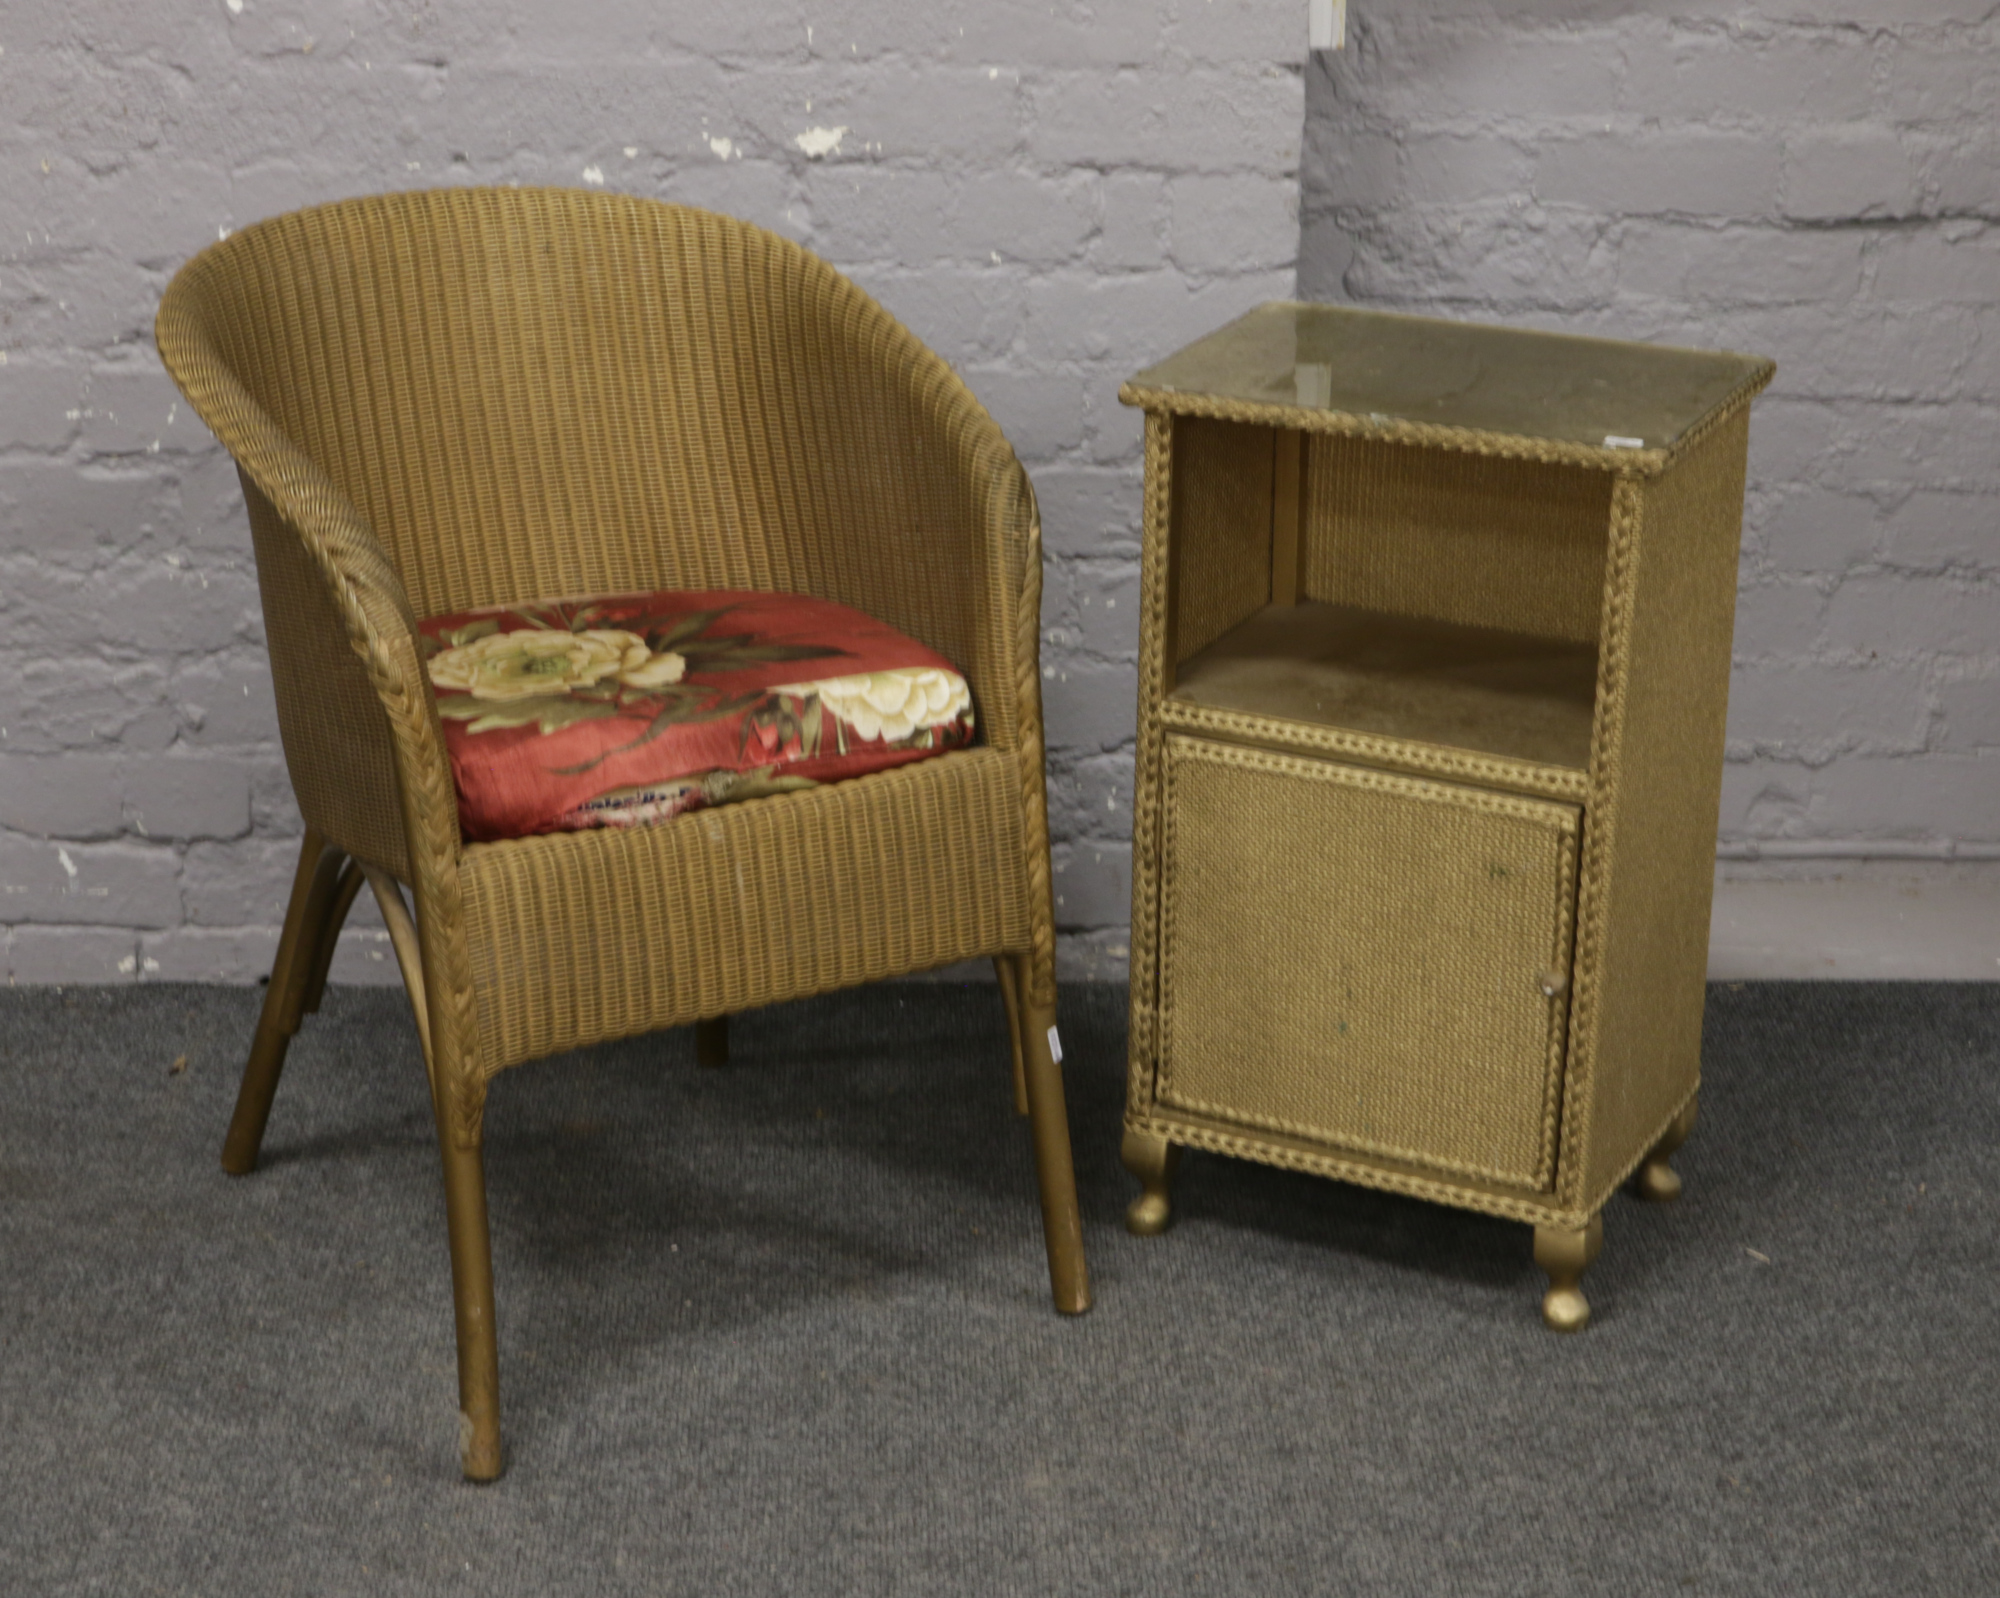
x,y
621,710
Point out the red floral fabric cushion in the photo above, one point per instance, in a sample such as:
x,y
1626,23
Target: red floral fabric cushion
x,y
624,709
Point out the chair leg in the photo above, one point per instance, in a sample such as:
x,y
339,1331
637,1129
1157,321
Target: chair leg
x,y
351,878
1048,1120
711,1042
472,1307
1010,997
315,889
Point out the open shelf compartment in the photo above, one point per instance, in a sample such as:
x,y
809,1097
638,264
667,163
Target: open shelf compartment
x,y
1512,696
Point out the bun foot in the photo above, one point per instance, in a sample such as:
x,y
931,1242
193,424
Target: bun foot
x,y
1153,1160
1655,1180
1565,1253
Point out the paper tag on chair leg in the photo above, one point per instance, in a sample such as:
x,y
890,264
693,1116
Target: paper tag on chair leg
x,y
1055,1046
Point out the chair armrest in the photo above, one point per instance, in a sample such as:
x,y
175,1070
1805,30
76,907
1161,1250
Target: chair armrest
x,y
362,738
933,520
958,562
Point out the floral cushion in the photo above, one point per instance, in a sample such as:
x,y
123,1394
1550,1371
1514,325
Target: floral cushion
x,y
626,709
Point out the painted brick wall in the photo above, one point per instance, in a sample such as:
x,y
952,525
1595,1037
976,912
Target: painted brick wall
x,y
1815,182
1051,194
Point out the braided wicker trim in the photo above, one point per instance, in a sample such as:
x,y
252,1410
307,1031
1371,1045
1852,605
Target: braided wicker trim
x,y
1559,1016
1724,412
1431,435
1401,754
1143,1046
1363,1174
1621,561
1542,1182
1041,973
1562,818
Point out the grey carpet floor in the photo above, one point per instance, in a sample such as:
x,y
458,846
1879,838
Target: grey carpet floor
x,y
784,1329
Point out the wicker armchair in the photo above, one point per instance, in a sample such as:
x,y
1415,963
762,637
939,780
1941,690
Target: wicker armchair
x,y
445,400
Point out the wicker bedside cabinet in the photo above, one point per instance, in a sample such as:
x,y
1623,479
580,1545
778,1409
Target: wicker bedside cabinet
x,y
1434,660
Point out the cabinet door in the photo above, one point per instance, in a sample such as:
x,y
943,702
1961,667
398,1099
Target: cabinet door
x,y
1368,961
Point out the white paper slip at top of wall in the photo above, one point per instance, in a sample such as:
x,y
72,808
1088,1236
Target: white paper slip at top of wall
x,y
1326,24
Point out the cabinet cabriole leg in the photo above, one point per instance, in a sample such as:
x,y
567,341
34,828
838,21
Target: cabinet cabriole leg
x,y
1565,1252
1153,1160
1655,1179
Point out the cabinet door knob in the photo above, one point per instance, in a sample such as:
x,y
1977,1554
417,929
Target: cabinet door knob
x,y
1553,983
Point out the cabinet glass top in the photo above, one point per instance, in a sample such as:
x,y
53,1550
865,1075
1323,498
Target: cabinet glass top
x,y
1597,392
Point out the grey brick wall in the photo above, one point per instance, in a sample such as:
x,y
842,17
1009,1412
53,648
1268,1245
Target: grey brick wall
x,y
1819,183
1051,194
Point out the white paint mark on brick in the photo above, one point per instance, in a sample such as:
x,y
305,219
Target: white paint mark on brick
x,y
631,151
235,10
131,961
820,142
68,865
722,146
594,175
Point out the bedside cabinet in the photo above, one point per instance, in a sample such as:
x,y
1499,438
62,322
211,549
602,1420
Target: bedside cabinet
x,y
1434,660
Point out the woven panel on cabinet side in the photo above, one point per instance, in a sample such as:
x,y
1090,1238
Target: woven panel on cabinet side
x,y
582,936
1656,787
1473,539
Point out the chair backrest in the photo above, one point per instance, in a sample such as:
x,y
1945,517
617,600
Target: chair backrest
x,y
541,392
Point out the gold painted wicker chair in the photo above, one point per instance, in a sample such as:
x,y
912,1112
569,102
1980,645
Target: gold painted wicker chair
x,y
445,400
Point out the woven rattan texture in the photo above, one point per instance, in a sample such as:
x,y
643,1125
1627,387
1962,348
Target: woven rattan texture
x,y
1222,529
1396,754
530,393
464,397
1296,1154
1656,783
1473,539
338,745
1423,435
581,936
1358,958
1154,646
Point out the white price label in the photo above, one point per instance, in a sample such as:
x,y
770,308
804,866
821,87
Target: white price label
x,y
1326,24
